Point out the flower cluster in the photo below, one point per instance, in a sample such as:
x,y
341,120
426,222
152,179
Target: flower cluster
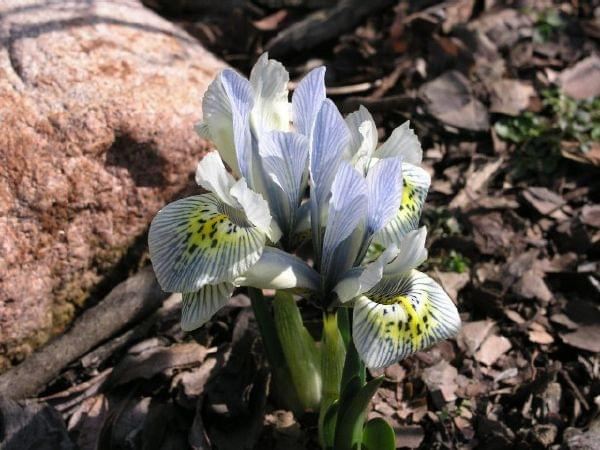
x,y
301,171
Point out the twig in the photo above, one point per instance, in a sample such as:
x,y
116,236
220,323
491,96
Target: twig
x,y
130,301
575,389
323,25
404,102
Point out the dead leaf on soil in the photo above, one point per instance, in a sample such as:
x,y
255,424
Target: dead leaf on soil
x,y
472,334
442,377
450,100
492,349
582,80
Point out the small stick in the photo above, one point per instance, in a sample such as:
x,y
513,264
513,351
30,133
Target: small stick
x,y
322,25
130,301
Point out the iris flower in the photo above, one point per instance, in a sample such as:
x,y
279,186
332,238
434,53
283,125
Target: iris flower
x,y
362,214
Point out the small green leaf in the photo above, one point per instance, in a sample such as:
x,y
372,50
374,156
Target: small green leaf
x,y
378,435
328,426
349,427
353,366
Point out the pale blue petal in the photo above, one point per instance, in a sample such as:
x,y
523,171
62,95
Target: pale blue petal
x,y
198,307
277,269
212,176
269,81
416,183
384,187
411,253
363,133
347,208
200,240
307,99
218,122
402,142
402,316
284,158
256,209
328,140
359,280
330,137
239,91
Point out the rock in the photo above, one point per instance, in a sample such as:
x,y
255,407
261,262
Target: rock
x,y
98,104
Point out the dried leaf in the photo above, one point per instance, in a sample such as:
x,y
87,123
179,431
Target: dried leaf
x,y
472,335
511,96
583,79
442,377
492,349
450,100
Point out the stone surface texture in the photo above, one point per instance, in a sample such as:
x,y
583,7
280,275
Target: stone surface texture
x,y
97,105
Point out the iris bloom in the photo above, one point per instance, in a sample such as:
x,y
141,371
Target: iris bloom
x,y
361,215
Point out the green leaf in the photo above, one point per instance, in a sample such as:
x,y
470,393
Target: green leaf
x,y
301,353
378,435
283,391
333,353
353,366
328,425
343,319
349,427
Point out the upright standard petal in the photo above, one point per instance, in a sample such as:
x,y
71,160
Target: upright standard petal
x,y
240,96
218,122
307,100
401,316
363,135
198,307
384,188
212,176
416,183
269,81
347,207
402,142
200,240
277,269
284,158
328,140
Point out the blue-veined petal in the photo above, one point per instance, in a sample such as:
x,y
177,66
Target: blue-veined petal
x,y
384,188
239,92
330,137
359,280
307,100
212,176
402,142
200,240
269,81
416,183
198,307
328,140
218,122
363,135
284,158
277,269
401,316
347,207
411,253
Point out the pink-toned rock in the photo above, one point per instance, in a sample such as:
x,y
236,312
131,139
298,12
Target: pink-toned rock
x,y
97,105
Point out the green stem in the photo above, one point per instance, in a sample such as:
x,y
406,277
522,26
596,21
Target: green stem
x,y
283,391
300,350
332,365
